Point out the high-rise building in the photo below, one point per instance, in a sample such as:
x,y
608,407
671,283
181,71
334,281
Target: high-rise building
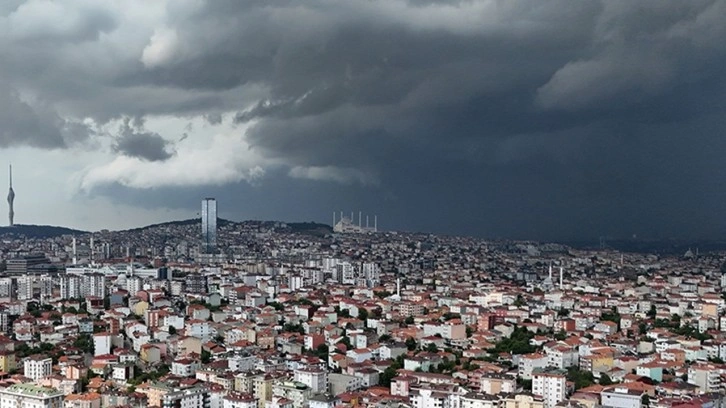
x,y
550,384
209,225
94,284
195,283
7,288
11,199
70,287
25,287
38,367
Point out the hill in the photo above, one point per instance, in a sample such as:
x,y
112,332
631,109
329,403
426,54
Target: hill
x,y
38,231
310,228
179,223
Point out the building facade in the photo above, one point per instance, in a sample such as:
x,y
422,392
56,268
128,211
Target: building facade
x,y
209,225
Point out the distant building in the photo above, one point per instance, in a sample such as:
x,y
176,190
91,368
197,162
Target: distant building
x,y
346,225
195,283
19,266
209,225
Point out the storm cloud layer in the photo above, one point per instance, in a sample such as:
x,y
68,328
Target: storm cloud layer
x,y
532,119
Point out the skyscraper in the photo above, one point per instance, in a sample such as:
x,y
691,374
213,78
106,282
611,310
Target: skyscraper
x,y
209,225
11,198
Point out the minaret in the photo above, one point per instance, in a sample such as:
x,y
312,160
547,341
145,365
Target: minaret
x,y
11,198
562,277
93,263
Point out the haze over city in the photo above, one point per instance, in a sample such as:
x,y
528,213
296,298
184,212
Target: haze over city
x,y
517,119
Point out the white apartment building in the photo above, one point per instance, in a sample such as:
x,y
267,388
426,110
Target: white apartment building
x,y
101,344
528,362
193,397
70,287
25,287
38,367
550,385
30,396
706,376
473,400
315,378
239,400
621,397
93,284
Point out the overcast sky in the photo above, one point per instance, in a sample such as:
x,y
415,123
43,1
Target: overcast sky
x,y
541,119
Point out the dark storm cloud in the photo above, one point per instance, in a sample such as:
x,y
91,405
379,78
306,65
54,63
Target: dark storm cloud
x,y
36,126
517,118
134,142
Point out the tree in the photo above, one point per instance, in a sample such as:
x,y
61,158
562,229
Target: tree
x,y
85,343
363,314
293,328
581,378
346,342
612,316
645,400
605,379
525,384
519,302
432,348
517,343
388,374
561,335
172,330
411,344
384,338
206,356
652,312
322,351
409,320
382,294
469,331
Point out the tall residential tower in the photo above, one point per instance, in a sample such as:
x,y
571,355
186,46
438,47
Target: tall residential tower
x,y
11,198
209,226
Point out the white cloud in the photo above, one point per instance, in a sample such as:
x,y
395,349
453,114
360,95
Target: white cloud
x,y
344,175
163,47
227,159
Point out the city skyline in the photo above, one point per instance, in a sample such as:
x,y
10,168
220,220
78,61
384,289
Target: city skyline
x,y
518,119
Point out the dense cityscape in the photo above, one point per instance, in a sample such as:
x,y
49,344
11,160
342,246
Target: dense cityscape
x,y
217,314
